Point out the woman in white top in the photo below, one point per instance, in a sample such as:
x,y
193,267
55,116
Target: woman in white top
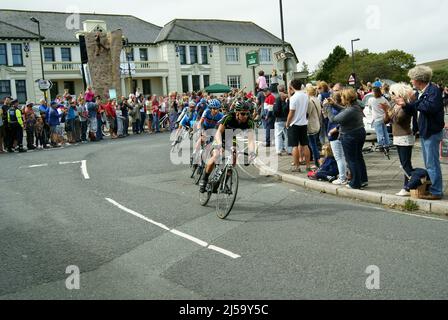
x,y
376,104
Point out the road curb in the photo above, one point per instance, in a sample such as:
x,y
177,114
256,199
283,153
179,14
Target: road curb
x,y
392,201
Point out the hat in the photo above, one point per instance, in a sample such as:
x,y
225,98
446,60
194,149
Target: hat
x,y
14,101
28,103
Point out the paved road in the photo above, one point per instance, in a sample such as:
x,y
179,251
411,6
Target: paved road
x,y
292,244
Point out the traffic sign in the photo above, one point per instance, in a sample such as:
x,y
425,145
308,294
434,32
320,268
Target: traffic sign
x,y
252,59
352,79
44,85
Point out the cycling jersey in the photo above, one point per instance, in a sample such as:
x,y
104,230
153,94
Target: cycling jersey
x,y
230,122
189,119
210,121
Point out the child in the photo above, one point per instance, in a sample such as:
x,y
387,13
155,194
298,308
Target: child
x,y
329,168
39,132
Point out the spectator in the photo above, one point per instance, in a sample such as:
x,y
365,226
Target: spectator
x,y
328,170
70,122
377,83
83,116
379,106
100,119
30,122
274,81
353,137
281,111
324,93
428,102
120,119
15,126
314,115
54,121
141,103
174,110
125,114
386,92
2,131
44,113
445,99
6,132
334,106
155,114
39,133
89,95
297,125
92,108
268,115
403,135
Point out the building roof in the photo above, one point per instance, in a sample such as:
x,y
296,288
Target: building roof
x,y
53,25
217,31
10,31
16,23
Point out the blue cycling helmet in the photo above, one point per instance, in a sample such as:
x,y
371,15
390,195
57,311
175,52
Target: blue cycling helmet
x,y
215,104
203,100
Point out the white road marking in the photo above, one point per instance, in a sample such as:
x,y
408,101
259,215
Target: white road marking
x,y
174,231
225,252
83,167
188,237
84,170
39,165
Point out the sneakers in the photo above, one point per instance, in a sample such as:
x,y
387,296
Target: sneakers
x,y
339,182
403,193
296,169
364,185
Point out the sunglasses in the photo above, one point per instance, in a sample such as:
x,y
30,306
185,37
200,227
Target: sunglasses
x,y
244,114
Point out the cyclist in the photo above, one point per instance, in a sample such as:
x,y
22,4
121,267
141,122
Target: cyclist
x,y
238,120
209,121
188,120
201,107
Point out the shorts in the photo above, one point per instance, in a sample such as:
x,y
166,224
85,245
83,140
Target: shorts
x,y
298,136
111,121
53,129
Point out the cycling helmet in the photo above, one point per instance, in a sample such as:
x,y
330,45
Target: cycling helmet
x,y
192,103
242,106
215,104
203,101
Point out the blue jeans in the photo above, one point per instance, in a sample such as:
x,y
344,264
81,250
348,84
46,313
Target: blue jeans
x,y
313,138
269,125
156,123
431,157
142,121
381,133
280,134
99,133
338,152
353,144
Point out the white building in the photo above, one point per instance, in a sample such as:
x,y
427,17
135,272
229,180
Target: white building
x,y
183,56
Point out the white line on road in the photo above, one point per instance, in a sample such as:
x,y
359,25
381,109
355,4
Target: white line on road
x,y
83,167
174,231
39,165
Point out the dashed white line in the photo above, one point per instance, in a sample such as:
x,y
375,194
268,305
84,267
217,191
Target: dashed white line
x,y
176,232
83,167
39,165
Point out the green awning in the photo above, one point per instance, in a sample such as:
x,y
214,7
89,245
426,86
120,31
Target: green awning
x,y
218,88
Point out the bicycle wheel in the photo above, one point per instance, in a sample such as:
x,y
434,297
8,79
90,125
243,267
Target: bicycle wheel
x,y
204,198
198,174
227,192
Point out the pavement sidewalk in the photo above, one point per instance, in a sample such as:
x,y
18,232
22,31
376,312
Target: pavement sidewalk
x,y
385,180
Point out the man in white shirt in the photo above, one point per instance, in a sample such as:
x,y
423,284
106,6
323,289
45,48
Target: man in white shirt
x,y
297,124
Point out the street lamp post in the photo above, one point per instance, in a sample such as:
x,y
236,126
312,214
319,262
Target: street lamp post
x,y
128,49
353,59
33,19
285,65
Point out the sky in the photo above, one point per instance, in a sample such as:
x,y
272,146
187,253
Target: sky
x,y
313,28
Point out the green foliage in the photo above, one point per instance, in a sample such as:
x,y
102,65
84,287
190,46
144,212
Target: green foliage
x,y
393,65
411,206
325,71
440,76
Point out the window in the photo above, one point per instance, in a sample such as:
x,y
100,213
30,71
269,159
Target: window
x,y
185,88
3,55
66,54
232,55
130,55
54,91
196,83
234,82
70,86
146,87
265,55
143,54
5,89
204,54
206,81
21,91
183,54
268,79
17,59
49,54
193,54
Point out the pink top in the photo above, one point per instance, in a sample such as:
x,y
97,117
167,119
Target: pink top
x,y
262,84
89,96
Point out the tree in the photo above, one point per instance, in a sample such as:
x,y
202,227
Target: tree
x,y
393,65
305,67
330,64
440,76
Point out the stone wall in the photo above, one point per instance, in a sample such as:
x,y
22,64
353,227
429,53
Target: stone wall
x,y
104,62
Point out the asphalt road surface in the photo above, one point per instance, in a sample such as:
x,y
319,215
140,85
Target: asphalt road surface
x,y
130,221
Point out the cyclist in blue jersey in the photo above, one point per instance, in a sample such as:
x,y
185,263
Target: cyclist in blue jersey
x,y
208,123
187,122
201,107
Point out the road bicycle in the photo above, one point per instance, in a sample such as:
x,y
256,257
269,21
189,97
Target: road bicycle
x,y
198,161
165,122
224,183
183,133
